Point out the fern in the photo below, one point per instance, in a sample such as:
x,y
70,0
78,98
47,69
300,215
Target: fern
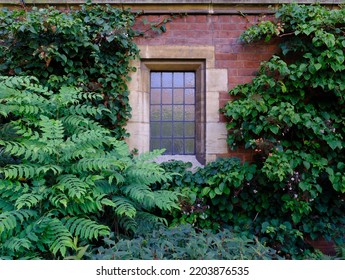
x,y
85,228
28,200
9,220
57,236
139,193
17,244
19,171
63,178
124,206
75,187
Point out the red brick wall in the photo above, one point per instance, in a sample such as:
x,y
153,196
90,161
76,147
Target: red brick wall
x,y
221,31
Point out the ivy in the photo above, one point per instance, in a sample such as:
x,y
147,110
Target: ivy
x,y
292,116
91,48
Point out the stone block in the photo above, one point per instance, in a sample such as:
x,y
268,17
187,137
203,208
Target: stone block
x,y
216,80
216,135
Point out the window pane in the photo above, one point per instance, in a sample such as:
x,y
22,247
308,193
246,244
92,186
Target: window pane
x,y
172,112
155,144
189,79
189,146
189,129
178,79
167,79
155,79
166,129
178,113
178,129
166,112
155,113
166,96
167,145
178,96
178,147
155,96
155,129
189,96
189,112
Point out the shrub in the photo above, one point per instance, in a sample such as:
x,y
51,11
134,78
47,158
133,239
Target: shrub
x,y
292,116
184,243
65,182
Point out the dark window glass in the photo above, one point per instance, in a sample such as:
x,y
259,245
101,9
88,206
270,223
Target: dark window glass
x,y
172,112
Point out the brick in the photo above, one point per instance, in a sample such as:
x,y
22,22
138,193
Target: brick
x,y
225,18
226,56
247,72
201,18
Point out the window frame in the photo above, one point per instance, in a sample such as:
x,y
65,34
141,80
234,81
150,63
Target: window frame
x,y
198,67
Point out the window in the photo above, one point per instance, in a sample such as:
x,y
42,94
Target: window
x,y
173,112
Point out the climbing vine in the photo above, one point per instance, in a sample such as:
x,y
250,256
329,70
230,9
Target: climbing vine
x,y
292,115
91,47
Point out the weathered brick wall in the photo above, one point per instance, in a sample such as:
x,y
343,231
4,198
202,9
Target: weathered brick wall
x,y
222,32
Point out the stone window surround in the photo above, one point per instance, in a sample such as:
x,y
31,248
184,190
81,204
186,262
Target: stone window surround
x,y
211,81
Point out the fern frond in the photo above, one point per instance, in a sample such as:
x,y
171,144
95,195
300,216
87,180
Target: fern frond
x,y
97,164
139,193
128,224
28,200
147,173
10,191
149,156
89,96
14,148
84,144
123,206
77,123
89,204
55,235
9,220
18,81
75,187
59,200
16,171
16,244
85,110
51,130
166,200
103,186
85,228
56,169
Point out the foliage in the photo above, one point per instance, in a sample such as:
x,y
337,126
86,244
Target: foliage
x,y
91,47
65,182
292,116
184,243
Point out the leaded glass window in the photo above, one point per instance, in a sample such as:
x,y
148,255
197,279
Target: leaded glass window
x,y
172,112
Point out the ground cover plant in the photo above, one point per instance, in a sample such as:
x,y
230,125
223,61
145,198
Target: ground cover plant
x,y
185,243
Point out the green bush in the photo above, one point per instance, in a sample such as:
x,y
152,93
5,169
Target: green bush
x,y
184,243
65,182
91,47
292,116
